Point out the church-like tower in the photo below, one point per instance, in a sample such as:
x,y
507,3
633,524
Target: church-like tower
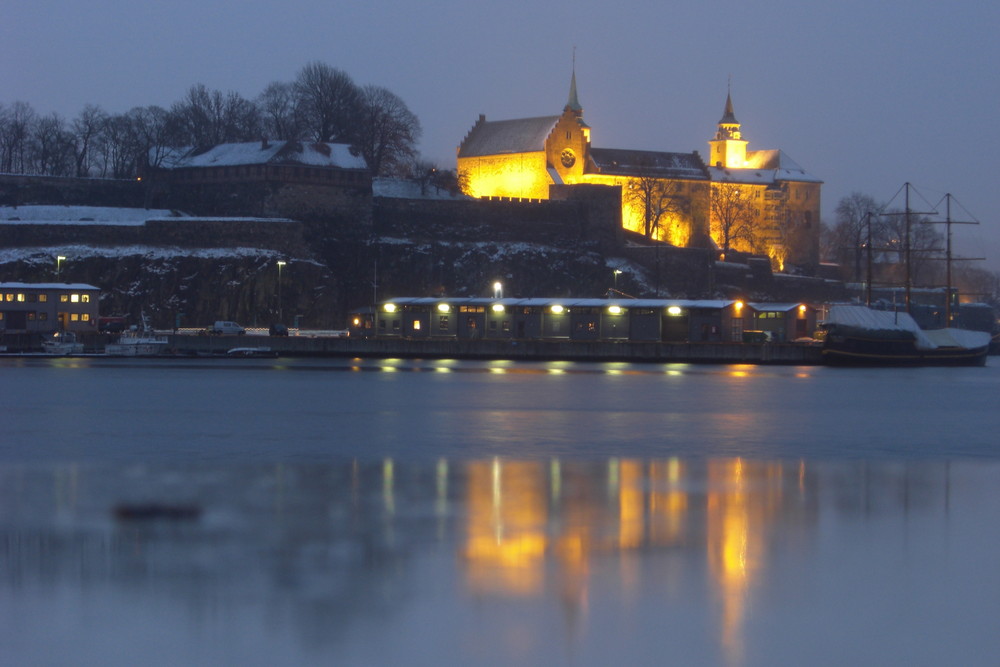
x,y
728,149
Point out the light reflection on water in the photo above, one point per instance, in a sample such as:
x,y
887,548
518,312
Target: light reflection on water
x,y
626,556
371,512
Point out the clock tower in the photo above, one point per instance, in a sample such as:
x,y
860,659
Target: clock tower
x,y
728,148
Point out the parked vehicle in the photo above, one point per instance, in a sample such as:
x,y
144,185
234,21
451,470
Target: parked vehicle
x,y
226,328
277,329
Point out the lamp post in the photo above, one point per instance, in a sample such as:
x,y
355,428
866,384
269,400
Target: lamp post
x,y
497,290
616,272
59,261
281,264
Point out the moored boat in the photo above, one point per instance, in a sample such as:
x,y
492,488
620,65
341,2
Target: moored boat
x,y
861,336
62,343
138,342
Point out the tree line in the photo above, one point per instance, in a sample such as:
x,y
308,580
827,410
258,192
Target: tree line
x,y
322,104
867,231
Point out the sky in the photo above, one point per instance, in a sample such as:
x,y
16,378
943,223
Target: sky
x,y
864,95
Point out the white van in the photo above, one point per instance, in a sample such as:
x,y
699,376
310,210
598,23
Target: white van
x,y
222,328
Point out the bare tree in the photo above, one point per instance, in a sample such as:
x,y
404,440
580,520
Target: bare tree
x,y
16,127
850,232
734,217
208,117
278,114
87,129
327,101
655,197
148,135
926,244
386,132
52,147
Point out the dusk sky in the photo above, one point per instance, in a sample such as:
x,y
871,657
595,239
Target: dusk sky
x,y
865,95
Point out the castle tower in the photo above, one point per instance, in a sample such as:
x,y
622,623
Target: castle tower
x,y
728,149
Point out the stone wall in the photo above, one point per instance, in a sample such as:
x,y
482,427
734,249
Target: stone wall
x,y
18,190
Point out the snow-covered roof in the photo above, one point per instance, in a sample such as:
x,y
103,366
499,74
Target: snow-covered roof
x,y
521,135
69,215
337,156
764,168
626,162
544,302
774,307
52,286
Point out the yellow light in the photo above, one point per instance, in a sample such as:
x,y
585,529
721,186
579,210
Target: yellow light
x,y
615,310
674,311
802,308
357,321
444,308
497,307
739,306
390,308
557,309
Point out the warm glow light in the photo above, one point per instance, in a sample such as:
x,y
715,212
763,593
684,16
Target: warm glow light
x,y
557,309
615,310
674,311
444,308
739,306
802,308
357,321
497,307
390,308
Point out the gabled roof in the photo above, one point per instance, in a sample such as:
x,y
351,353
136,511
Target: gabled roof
x,y
337,156
764,167
625,162
522,135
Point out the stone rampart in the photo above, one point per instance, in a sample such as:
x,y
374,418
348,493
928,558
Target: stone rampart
x,y
21,190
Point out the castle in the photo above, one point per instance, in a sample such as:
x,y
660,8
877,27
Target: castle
x,y
757,202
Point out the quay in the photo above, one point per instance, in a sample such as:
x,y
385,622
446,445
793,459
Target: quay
x,y
515,350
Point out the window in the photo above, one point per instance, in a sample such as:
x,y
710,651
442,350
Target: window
x,y
31,316
74,317
84,298
63,298
443,323
32,298
42,317
505,326
20,298
74,298
9,297
43,298
85,317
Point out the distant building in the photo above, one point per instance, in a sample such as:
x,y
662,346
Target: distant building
x,y
666,196
46,307
265,178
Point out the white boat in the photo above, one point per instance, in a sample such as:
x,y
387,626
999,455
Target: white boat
x,y
138,342
62,343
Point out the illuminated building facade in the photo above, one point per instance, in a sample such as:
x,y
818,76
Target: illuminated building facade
x,y
665,196
46,307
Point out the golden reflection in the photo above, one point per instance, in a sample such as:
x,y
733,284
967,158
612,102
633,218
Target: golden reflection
x,y
533,521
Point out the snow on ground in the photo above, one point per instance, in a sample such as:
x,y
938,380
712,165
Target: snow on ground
x,y
103,215
394,188
71,252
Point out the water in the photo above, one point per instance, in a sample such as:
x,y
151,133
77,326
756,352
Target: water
x,y
370,512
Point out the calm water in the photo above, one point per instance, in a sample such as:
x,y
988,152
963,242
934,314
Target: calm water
x,y
491,513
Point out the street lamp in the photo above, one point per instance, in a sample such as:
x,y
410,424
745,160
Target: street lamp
x,y
497,290
59,260
280,265
617,272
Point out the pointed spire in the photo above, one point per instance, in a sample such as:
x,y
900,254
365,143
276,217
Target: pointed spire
x,y
728,117
573,104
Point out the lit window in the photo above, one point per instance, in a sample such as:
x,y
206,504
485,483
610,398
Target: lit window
x,y
74,317
20,298
85,317
9,297
43,298
85,298
63,298
416,325
75,298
